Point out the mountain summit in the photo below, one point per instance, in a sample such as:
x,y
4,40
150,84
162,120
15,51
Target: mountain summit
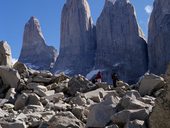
x,y
121,47
35,52
78,45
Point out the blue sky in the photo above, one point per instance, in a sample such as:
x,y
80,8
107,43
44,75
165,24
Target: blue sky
x,y
15,13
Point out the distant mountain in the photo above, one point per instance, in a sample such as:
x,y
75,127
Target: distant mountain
x,y
121,47
35,53
159,37
78,42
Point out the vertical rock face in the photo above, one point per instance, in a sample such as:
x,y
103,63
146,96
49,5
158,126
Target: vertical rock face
x,y
35,52
159,37
5,54
77,48
120,42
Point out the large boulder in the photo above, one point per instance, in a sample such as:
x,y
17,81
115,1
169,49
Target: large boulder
x,y
63,120
9,77
77,49
79,84
35,53
100,114
159,36
160,116
125,116
5,54
16,124
120,43
150,83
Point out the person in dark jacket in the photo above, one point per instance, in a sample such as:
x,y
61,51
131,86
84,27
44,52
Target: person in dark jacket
x,y
114,79
98,77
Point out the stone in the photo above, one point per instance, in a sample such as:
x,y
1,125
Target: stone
x,y
33,99
150,83
158,37
159,118
37,88
40,79
58,78
78,43
9,76
16,124
112,126
35,53
60,106
3,113
80,113
10,95
5,54
21,101
78,100
65,119
124,116
21,68
121,46
136,124
95,95
79,84
55,97
132,103
100,114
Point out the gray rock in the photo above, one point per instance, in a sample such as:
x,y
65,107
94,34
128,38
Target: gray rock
x,y
79,84
21,68
101,113
9,76
136,124
159,36
65,119
5,54
95,95
16,124
21,101
120,43
78,100
159,118
55,97
124,116
35,53
77,48
33,99
150,83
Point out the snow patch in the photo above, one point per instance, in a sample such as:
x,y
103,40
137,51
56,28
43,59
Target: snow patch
x,y
67,71
32,66
14,60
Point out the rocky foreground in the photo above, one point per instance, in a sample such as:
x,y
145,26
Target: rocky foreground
x,y
39,99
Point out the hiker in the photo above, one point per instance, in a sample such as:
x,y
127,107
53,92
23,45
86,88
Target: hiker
x,y
114,79
98,77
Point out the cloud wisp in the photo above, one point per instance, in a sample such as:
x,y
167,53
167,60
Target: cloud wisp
x,y
148,9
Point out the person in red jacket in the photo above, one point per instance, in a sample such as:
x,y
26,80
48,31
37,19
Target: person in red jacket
x,y
98,77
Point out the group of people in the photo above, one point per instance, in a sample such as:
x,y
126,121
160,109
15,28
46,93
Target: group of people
x,y
98,78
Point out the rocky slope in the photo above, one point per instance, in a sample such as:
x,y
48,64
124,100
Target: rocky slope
x,y
77,48
120,43
159,36
35,52
39,99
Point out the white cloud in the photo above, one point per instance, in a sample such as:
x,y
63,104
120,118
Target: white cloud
x,y
14,60
148,9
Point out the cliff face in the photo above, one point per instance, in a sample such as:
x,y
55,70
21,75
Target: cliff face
x,y
121,47
159,37
77,48
35,52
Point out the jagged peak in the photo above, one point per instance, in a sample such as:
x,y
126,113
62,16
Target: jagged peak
x,y
117,1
